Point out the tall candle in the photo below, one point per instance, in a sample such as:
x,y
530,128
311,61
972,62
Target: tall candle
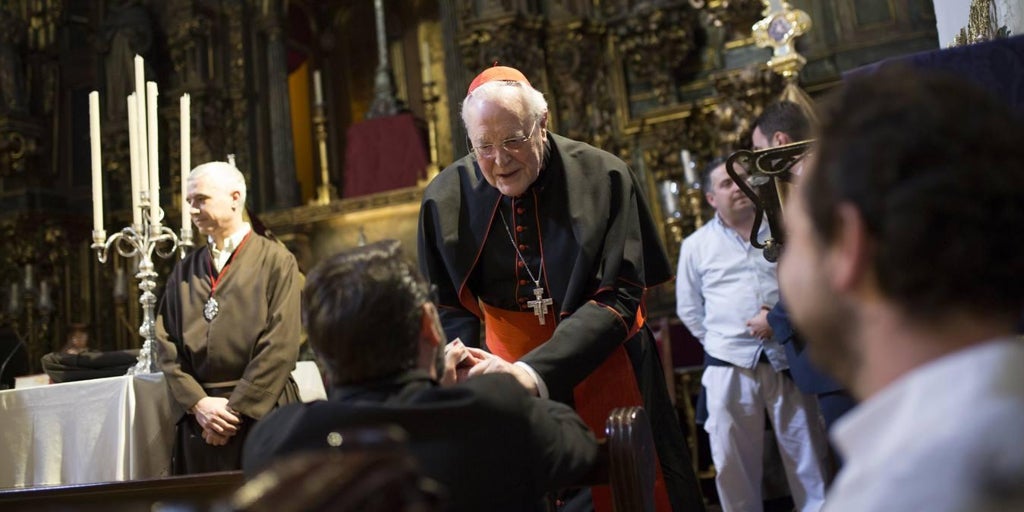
x,y
120,284
30,282
13,300
186,158
318,90
140,115
133,151
427,72
97,177
688,171
45,303
154,161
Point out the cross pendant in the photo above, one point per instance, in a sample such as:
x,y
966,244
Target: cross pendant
x,y
540,305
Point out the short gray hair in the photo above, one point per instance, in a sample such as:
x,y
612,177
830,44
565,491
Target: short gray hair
x,y
223,173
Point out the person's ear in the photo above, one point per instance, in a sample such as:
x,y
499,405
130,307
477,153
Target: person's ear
x,y
781,139
851,250
430,325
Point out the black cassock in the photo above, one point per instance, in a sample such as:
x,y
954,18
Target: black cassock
x,y
584,230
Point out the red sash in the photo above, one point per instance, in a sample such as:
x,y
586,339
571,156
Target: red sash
x,y
512,334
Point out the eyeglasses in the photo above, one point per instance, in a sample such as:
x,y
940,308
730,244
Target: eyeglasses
x,y
511,145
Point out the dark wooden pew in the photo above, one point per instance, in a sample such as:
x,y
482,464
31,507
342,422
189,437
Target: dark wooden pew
x,y
129,496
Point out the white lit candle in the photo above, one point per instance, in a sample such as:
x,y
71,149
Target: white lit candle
x,y
45,303
120,284
427,72
97,160
30,281
14,301
186,158
688,171
318,90
140,117
153,145
133,151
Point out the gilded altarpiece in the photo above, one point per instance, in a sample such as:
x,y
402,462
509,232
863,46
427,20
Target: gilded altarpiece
x,y
643,79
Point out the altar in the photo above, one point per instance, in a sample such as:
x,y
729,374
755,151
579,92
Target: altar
x,y
100,430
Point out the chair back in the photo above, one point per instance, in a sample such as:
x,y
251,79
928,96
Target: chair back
x,y
631,459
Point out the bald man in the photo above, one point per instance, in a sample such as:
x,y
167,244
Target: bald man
x,y
228,327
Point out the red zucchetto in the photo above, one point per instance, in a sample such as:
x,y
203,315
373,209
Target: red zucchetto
x,y
497,73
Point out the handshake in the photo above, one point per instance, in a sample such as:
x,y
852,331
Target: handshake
x,y
462,362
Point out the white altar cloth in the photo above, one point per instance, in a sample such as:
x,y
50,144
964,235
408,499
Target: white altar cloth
x,y
100,430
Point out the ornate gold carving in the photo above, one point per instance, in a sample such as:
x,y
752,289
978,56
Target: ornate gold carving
x,y
510,41
654,39
236,127
43,18
19,143
34,248
779,29
982,25
287,219
583,99
735,16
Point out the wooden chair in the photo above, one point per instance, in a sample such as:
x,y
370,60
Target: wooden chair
x,y
625,462
631,459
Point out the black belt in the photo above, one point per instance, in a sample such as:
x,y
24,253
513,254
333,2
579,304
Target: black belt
x,y
710,360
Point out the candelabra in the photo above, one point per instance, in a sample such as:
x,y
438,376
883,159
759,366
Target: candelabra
x,y
28,312
326,192
142,241
681,202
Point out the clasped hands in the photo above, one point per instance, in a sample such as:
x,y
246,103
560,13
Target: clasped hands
x,y
218,421
462,362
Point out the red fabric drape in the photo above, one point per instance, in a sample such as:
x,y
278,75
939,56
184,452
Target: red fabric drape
x,y
383,154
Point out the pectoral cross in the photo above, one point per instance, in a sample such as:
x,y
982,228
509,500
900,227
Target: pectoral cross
x,y
540,305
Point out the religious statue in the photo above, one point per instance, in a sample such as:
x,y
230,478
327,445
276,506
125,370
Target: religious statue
x,y
127,32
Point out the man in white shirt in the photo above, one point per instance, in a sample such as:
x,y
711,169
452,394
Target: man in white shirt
x,y
904,270
724,290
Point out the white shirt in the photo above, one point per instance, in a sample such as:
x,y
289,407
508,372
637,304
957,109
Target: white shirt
x,y
220,257
723,281
948,436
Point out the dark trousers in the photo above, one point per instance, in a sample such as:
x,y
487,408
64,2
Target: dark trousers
x,y
193,455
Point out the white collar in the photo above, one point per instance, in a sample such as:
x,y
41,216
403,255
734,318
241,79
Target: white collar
x,y
231,242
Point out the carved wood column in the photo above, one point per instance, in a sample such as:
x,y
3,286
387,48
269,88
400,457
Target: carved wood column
x,y
285,187
457,77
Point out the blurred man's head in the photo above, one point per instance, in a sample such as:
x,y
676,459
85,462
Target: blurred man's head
x,y
368,316
506,120
912,211
779,124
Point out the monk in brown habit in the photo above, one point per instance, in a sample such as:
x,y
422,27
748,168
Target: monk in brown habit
x,y
228,327
550,241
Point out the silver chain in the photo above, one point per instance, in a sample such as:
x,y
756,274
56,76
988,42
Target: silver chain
x,y
512,239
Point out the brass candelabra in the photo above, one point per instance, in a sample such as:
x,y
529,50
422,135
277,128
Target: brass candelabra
x,y
430,99
325,192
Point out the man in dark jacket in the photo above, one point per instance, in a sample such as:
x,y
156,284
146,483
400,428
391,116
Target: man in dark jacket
x,y
377,334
